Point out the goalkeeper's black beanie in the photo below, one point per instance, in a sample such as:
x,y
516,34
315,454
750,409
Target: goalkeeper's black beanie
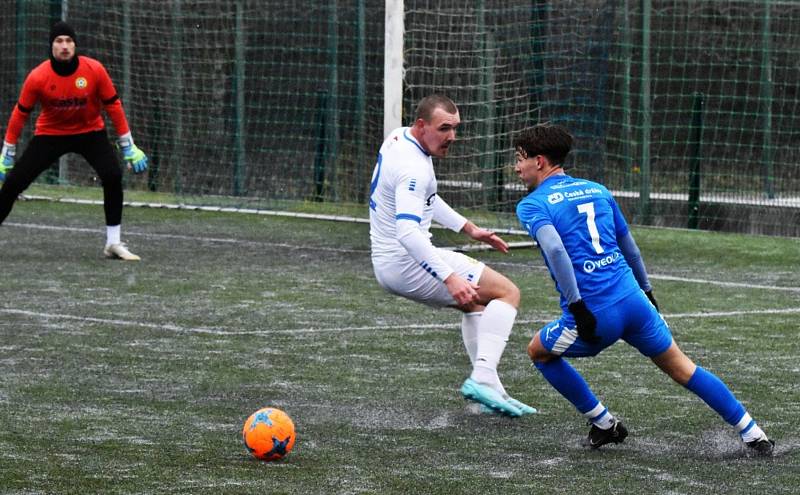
x,y
61,28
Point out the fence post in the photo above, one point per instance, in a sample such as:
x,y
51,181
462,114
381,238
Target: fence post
x,y
644,185
321,158
360,104
239,161
175,94
58,12
333,98
487,114
695,150
766,101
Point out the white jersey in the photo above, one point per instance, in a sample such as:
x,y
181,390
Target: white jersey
x,y
403,203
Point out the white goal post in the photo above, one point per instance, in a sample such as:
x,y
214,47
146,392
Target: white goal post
x,y
393,67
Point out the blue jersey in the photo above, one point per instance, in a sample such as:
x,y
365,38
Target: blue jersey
x,y
589,222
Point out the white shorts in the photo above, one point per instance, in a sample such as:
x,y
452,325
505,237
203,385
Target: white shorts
x,y
405,277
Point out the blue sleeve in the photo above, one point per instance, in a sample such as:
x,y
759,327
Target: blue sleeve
x,y
532,216
628,247
634,258
620,225
559,262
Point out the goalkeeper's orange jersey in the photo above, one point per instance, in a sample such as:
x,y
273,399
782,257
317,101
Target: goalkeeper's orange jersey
x,y
70,104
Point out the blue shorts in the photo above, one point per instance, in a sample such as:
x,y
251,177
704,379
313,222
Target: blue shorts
x,y
632,319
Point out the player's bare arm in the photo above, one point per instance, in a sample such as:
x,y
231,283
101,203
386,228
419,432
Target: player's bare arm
x,y
486,236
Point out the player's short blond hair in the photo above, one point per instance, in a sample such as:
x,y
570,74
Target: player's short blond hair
x,y
427,105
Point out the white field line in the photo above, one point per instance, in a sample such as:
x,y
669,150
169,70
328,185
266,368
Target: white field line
x,y
656,276
723,284
725,314
226,240
735,199
187,207
245,211
219,331
434,326
220,240
108,321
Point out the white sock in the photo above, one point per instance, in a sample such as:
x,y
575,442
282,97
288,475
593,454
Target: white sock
x,y
469,333
749,430
494,328
600,417
112,234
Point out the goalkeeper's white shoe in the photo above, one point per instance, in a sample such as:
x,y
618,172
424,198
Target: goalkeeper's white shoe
x,y
119,252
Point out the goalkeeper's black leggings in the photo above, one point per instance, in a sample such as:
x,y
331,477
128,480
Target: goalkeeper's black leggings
x,y
42,151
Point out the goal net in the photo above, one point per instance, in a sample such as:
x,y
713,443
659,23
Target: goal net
x,y
686,110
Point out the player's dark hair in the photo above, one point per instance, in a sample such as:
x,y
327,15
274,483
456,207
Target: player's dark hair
x,y
550,140
430,103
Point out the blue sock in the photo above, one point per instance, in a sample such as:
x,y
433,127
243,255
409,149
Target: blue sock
x,y
569,383
717,395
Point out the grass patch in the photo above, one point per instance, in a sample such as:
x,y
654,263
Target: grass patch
x,y
137,377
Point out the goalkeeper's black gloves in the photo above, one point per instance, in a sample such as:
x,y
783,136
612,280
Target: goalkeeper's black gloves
x,y
584,321
649,294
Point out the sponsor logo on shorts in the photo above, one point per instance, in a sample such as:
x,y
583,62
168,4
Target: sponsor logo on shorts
x,y
591,265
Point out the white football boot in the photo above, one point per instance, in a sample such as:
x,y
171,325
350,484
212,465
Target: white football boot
x,y
119,252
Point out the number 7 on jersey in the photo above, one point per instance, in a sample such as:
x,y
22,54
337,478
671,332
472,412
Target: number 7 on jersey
x,y
588,209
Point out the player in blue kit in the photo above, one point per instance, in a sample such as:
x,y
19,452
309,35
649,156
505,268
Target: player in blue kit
x,y
604,288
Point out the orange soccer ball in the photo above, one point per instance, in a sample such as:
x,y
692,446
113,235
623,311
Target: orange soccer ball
x,y
269,434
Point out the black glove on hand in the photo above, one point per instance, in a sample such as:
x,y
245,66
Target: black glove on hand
x,y
585,321
652,298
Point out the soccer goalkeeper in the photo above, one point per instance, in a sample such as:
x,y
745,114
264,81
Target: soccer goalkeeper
x,y
604,288
71,89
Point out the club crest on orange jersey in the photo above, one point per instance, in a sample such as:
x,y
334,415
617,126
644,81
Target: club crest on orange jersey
x,y
81,83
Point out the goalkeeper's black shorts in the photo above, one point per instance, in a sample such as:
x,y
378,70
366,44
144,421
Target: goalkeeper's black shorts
x,y
44,151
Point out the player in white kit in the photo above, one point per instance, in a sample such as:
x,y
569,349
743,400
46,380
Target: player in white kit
x,y
403,203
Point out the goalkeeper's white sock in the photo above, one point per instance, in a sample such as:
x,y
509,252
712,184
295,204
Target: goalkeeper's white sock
x,y
112,234
469,333
494,328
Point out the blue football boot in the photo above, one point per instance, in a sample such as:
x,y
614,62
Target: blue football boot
x,y
489,397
